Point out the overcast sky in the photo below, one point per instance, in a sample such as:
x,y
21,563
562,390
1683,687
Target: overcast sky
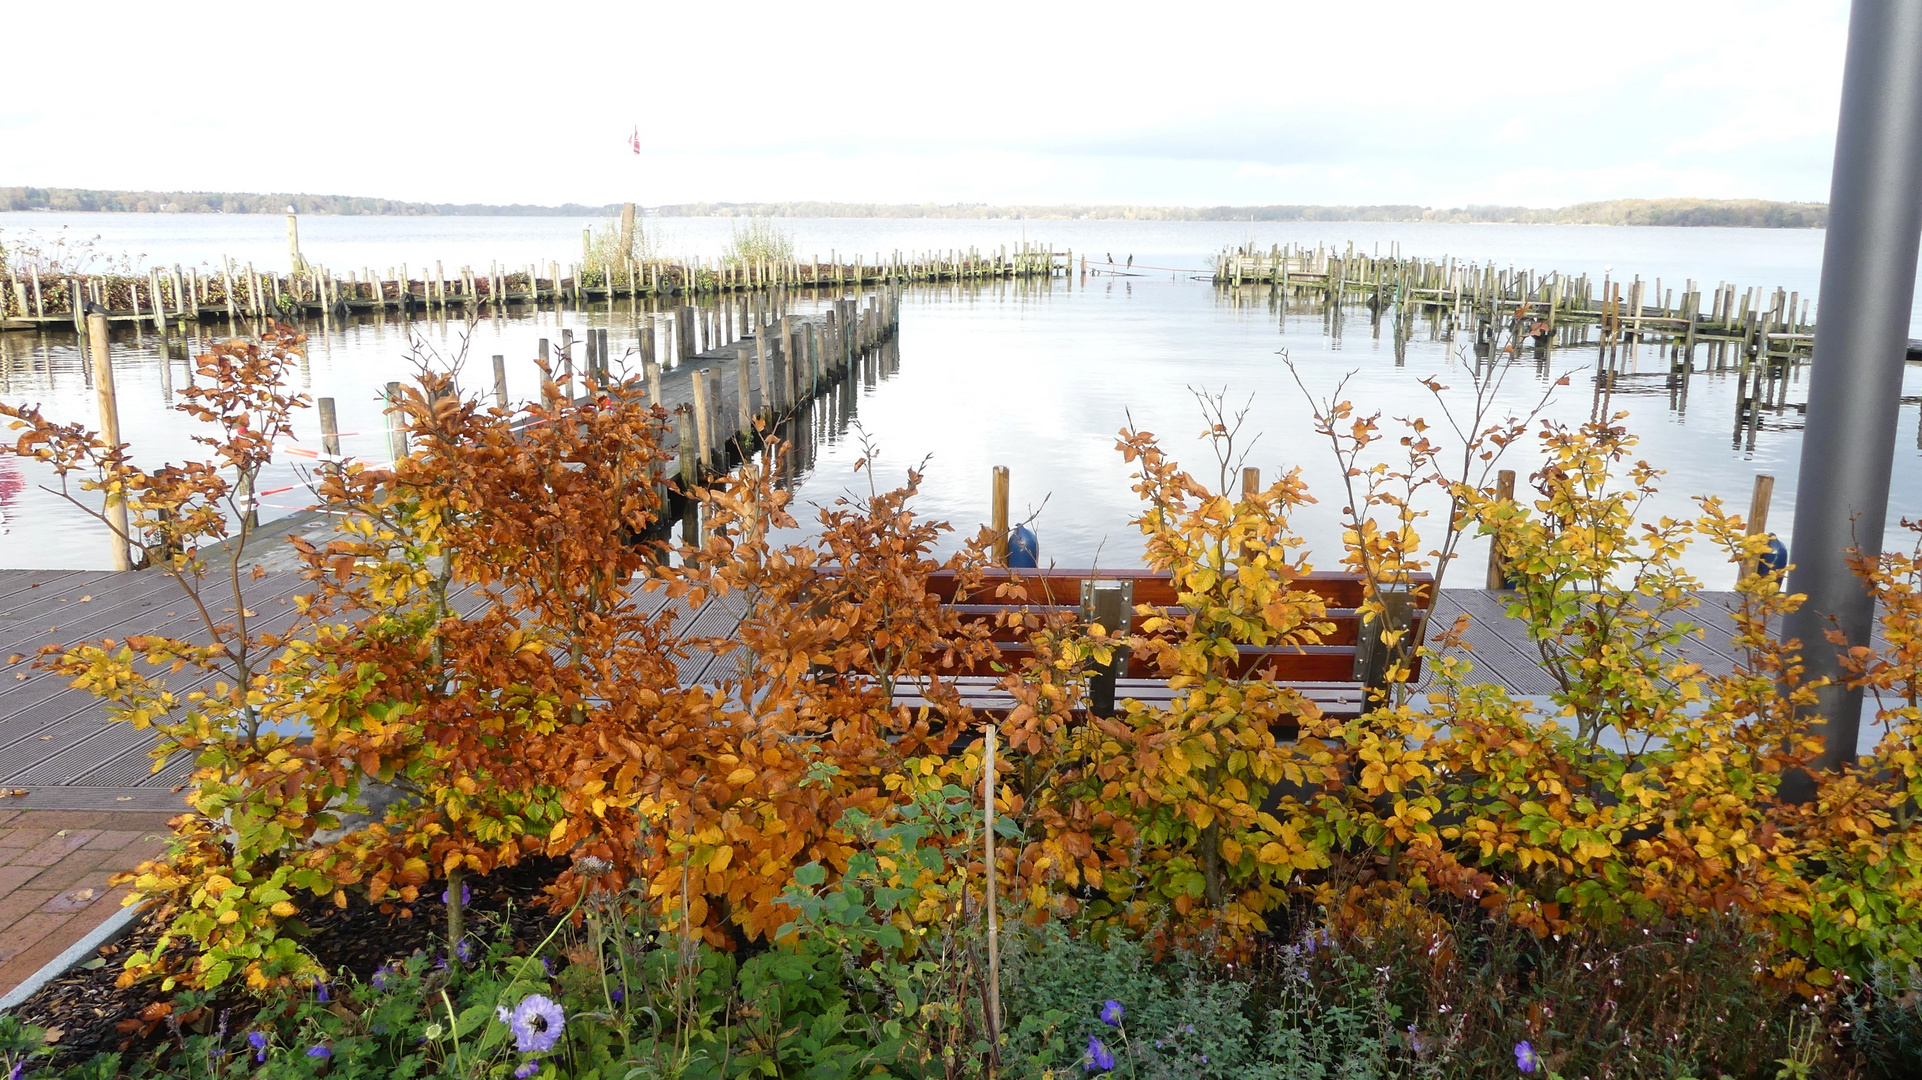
x,y
1441,104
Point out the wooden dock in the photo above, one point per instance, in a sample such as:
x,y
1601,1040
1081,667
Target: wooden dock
x,y
165,297
59,750
1764,336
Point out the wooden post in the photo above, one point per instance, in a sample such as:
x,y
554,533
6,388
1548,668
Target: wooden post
x,y
744,388
703,436
500,380
293,242
100,353
769,402
329,430
1497,565
684,439
998,515
1758,513
396,424
1250,483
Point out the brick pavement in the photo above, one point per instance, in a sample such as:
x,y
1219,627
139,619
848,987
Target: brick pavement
x,y
54,866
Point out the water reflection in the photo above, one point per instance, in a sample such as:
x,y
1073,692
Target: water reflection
x,y
1036,376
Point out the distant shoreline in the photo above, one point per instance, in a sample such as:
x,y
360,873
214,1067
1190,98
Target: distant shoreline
x,y
1727,213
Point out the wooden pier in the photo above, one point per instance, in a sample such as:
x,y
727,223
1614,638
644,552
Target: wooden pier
x,y
1764,336
1554,306
59,750
164,297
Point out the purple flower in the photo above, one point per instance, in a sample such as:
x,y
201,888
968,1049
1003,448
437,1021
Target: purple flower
x,y
320,990
1526,1059
465,950
20,1069
1099,1058
465,894
536,1024
617,995
1111,1013
528,1069
319,1052
258,1040
380,976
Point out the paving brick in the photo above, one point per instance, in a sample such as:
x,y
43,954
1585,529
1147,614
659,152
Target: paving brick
x,y
80,868
23,903
18,966
12,877
23,836
30,931
63,819
76,899
8,815
55,848
115,839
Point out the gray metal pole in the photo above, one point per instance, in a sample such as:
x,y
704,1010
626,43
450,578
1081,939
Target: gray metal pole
x,y
1855,381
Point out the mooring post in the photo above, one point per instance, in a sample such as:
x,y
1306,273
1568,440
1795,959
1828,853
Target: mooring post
x,y
743,388
1497,564
500,380
99,351
396,423
329,434
1855,383
703,436
1758,513
998,515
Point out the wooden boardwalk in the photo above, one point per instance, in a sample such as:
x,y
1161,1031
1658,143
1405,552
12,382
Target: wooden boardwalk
x,y
59,750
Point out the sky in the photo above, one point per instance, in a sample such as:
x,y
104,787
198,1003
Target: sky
x,y
1436,104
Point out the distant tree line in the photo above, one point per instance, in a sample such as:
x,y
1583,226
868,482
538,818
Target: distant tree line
x,y
1745,213
217,202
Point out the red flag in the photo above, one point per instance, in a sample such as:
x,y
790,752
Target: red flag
x,y
634,140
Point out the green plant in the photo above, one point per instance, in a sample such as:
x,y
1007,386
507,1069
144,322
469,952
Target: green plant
x,y
759,240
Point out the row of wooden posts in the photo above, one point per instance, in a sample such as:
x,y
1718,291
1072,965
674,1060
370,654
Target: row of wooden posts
x,y
778,366
1771,322
29,300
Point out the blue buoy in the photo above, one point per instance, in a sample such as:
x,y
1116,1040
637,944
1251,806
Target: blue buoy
x,y
1024,549
1776,559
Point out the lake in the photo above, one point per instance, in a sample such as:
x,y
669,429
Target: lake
x,y
1036,378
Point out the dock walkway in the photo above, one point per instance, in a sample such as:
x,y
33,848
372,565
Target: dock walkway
x,y
59,751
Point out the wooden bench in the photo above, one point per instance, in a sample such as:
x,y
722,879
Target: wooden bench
x,y
1335,674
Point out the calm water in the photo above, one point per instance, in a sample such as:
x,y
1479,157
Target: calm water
x,y
1038,379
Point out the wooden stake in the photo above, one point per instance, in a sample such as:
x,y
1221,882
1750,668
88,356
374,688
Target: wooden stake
x,y
998,515
1497,565
500,380
329,428
396,424
1758,513
100,352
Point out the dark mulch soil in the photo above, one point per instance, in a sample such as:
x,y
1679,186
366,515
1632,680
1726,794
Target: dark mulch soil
x,y
92,1015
